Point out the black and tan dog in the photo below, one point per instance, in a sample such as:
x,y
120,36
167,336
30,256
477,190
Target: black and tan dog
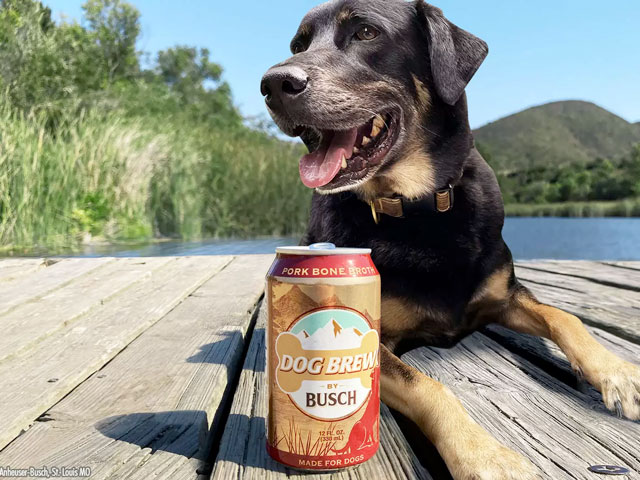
x,y
376,91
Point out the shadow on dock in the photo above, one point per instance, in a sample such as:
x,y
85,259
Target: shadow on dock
x,y
181,432
218,352
185,433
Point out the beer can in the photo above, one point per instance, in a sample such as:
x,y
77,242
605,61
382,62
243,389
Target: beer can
x,y
323,366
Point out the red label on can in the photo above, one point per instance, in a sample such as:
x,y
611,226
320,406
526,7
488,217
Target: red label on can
x,y
326,266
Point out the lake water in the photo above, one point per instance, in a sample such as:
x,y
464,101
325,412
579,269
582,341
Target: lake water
x,y
528,238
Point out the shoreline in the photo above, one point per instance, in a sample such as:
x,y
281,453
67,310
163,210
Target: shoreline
x,y
629,208
162,246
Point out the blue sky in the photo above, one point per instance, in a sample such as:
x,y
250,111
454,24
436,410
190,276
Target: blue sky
x,y
541,50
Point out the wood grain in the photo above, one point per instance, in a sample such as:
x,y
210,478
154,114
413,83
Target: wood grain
x,y
35,379
599,273
148,413
46,280
28,324
12,269
626,265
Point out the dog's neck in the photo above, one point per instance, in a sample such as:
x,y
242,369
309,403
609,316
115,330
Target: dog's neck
x,y
436,157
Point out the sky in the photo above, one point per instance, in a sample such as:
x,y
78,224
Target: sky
x,y
540,51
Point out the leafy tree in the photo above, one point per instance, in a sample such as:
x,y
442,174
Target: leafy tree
x,y
21,8
43,65
34,69
48,67
633,167
605,184
483,149
186,69
196,80
115,26
553,193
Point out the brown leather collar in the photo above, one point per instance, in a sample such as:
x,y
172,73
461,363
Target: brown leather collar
x,y
401,207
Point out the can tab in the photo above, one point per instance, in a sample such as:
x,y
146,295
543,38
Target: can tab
x,y
322,246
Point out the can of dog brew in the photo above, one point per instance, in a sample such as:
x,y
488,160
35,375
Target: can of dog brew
x,y
323,368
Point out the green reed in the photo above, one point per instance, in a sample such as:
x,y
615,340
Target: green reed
x,y
112,177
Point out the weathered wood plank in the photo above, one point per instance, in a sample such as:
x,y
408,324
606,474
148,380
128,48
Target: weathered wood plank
x,y
603,293
148,413
242,454
627,265
28,324
609,308
17,261
561,430
548,356
46,280
11,269
599,273
69,356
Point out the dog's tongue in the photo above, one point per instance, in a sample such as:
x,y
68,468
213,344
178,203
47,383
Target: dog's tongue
x,y
320,167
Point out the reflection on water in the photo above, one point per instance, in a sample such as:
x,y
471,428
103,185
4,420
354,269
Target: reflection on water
x,y
529,238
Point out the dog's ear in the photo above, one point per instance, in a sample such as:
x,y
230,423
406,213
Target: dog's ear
x,y
455,54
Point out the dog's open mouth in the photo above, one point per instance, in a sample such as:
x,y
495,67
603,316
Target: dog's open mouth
x,y
348,156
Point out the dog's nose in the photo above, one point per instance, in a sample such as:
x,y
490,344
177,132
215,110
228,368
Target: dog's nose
x,y
283,83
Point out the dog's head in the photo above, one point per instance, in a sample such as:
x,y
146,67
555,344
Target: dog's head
x,y
367,88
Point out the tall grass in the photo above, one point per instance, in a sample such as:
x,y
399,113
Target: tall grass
x,y
253,186
115,177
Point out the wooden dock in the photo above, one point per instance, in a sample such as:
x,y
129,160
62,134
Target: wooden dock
x,y
154,368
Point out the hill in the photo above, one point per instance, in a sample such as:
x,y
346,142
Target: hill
x,y
556,134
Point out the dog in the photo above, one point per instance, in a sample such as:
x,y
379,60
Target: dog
x,y
376,91
364,432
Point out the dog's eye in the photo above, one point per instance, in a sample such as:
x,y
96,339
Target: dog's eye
x,y
367,32
297,47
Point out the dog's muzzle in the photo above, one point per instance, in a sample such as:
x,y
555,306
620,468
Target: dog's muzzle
x,y
282,85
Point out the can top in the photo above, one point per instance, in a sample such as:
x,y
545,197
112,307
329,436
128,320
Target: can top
x,y
322,249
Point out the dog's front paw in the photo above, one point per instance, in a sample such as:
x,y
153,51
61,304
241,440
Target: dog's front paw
x,y
484,458
619,383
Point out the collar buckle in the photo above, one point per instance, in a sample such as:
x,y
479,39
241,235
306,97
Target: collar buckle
x,y
444,199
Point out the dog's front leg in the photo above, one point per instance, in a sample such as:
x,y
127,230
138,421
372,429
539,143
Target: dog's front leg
x,y
468,450
616,379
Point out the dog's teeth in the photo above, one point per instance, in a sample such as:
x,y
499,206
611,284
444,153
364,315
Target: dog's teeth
x,y
365,141
378,123
356,150
344,162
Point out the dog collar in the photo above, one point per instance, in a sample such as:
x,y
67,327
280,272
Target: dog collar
x,y
400,207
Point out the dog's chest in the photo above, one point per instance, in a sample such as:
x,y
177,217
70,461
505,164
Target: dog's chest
x,y
426,263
